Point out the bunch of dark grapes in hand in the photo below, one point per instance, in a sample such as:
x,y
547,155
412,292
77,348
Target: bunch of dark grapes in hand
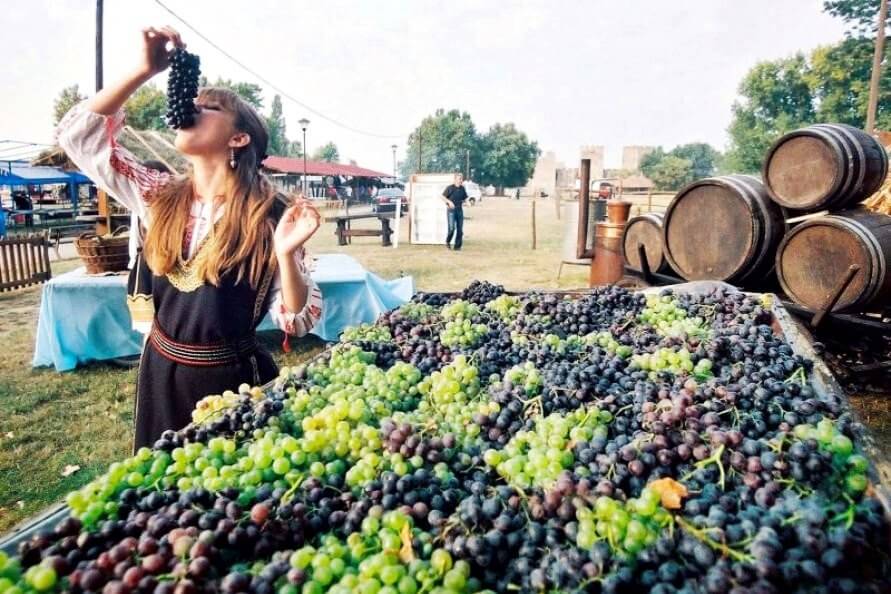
x,y
182,88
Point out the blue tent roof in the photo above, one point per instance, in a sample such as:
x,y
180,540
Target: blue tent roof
x,y
20,173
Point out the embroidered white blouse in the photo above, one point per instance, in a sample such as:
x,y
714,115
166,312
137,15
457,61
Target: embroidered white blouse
x,y
90,140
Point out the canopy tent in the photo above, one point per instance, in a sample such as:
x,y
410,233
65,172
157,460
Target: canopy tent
x,y
20,173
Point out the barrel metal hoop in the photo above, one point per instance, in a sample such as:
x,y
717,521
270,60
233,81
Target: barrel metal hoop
x,y
855,183
869,239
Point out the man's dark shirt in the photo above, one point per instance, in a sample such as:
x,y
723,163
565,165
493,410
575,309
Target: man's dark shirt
x,y
457,195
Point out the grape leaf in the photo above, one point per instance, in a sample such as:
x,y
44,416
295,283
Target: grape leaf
x,y
406,553
670,491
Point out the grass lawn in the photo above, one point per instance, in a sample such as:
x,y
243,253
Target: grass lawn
x,y
50,421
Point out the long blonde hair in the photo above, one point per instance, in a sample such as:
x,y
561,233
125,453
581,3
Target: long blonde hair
x,y
242,241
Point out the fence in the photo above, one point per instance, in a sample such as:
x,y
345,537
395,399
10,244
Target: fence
x,y
24,261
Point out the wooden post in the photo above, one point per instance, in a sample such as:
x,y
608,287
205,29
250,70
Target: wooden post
x,y
533,224
581,246
876,69
98,45
103,225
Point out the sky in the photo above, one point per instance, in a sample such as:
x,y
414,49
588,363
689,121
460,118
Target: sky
x,y
566,72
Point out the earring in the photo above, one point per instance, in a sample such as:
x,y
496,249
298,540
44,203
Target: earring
x,y
232,162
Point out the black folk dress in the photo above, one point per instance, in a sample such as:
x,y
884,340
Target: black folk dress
x,y
202,342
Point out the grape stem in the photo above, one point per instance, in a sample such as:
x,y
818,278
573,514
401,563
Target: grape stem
x,y
702,535
715,458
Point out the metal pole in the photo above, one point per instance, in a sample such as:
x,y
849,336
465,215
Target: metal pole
x,y
876,69
467,165
394,164
98,45
304,162
419,150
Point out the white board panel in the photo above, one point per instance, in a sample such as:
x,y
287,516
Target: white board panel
x,y
429,222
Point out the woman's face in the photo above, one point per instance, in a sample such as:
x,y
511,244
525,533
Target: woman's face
x,y
214,128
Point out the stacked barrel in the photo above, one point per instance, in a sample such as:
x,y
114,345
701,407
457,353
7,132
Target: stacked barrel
x,y
831,167
753,233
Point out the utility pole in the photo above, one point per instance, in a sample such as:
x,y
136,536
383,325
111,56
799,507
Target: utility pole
x,y
98,45
467,165
419,150
876,69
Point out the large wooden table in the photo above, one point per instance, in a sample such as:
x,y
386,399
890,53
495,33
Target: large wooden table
x,y
344,231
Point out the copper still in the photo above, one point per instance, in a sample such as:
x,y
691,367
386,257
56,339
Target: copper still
x,y
608,265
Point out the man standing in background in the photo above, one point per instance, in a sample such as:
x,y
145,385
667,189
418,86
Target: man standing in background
x,y
454,197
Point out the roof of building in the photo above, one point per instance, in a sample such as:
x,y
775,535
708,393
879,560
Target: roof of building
x,y
295,165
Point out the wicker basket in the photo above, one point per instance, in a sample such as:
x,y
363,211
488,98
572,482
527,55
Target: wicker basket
x,y
109,253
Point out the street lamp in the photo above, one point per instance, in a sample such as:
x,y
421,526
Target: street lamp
x,y
303,124
394,164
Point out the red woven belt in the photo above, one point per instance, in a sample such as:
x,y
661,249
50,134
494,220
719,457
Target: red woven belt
x,y
202,355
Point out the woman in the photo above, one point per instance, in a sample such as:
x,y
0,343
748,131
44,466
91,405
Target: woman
x,y
222,247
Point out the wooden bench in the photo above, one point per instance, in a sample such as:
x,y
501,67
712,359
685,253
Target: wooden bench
x,y
344,231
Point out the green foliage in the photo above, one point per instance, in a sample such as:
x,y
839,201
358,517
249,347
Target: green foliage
x,y
508,156
650,160
250,92
327,152
681,165
445,138
275,124
68,98
503,156
672,172
702,156
839,79
861,15
830,85
776,98
146,107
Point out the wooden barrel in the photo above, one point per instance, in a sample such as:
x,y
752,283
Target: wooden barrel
x,y
723,228
826,166
814,257
645,229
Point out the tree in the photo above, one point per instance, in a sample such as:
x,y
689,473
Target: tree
x,y
839,80
145,109
508,157
702,156
445,137
651,160
327,152
68,98
275,124
861,15
671,173
250,92
776,98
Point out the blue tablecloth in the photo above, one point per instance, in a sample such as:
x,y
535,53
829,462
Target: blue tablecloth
x,y
85,318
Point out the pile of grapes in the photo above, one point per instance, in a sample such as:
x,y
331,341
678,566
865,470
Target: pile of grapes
x,y
607,443
182,88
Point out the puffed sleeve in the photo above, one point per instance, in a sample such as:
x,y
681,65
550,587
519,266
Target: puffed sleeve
x,y
90,141
302,322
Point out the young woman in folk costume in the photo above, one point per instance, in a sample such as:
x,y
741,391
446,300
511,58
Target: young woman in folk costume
x,y
222,246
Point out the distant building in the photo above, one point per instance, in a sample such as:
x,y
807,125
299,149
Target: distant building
x,y
633,155
544,178
595,153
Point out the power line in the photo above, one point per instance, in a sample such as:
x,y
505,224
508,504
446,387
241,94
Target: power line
x,y
272,85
